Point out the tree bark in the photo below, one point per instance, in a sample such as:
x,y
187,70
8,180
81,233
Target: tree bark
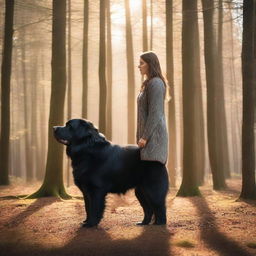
x,y
189,19
85,60
5,92
249,87
102,69
130,75
222,129
213,117
171,104
53,181
144,26
109,73
199,114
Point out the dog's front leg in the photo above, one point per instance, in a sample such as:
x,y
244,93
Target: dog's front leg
x,y
96,199
87,207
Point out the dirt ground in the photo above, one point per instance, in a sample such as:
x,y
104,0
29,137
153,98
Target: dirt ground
x,y
214,224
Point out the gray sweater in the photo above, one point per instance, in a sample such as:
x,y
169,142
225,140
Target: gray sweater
x,y
151,123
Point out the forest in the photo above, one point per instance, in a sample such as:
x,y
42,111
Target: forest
x,y
63,59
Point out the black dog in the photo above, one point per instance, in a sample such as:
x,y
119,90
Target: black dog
x,y
100,167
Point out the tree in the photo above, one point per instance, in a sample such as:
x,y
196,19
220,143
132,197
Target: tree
x,y
109,73
249,85
189,19
53,181
151,25
69,91
130,75
144,26
85,60
222,127
171,105
102,69
5,92
199,115
213,116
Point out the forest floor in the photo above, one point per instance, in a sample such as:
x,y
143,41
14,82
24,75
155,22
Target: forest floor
x,y
214,224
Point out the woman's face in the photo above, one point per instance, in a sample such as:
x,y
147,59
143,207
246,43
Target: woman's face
x,y
143,67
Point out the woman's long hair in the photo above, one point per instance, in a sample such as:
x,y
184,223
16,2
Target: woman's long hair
x,y
154,70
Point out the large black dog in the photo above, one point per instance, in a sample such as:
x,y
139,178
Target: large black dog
x,y
100,167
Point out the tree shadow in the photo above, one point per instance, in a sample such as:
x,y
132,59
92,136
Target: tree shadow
x,y
32,208
210,234
152,240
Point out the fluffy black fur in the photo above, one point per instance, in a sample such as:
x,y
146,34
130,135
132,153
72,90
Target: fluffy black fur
x,y
100,167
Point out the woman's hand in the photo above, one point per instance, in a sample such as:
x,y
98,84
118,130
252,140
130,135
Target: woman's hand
x,y
142,143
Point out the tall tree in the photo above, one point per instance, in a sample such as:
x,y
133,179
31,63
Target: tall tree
x,y
102,69
85,60
249,87
222,127
171,105
109,73
53,181
189,19
234,107
5,92
130,75
151,25
199,114
213,116
26,102
144,26
69,91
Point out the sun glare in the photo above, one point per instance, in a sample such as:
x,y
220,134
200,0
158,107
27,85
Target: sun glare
x,y
135,5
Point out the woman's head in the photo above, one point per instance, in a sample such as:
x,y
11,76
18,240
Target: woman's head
x,y
149,65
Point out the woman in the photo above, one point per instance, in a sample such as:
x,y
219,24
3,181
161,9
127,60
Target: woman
x,y
152,135
152,138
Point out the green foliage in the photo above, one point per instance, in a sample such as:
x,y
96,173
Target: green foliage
x,y
185,244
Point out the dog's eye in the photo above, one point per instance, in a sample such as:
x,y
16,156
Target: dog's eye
x,y
69,126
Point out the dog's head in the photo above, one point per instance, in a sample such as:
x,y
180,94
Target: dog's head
x,y
77,131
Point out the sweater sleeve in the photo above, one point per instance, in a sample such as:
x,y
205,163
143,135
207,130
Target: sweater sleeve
x,y
155,99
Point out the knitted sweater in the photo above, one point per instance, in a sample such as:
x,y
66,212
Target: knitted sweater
x,y
151,123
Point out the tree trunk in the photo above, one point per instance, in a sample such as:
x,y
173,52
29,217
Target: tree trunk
x,y
28,166
144,26
199,114
189,19
151,25
249,85
234,108
222,127
109,73
53,181
34,104
102,70
85,60
213,117
130,76
171,104
69,91
5,93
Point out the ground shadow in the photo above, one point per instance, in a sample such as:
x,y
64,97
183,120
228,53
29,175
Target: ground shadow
x,y
210,234
31,209
152,240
